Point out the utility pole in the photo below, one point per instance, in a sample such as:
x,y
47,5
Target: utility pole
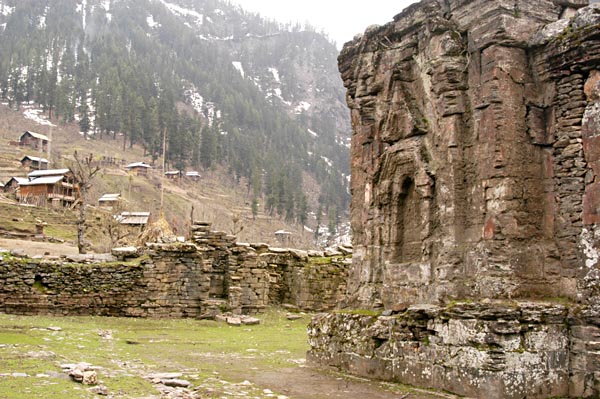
x,y
162,179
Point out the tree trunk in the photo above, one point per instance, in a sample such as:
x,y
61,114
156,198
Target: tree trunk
x,y
81,222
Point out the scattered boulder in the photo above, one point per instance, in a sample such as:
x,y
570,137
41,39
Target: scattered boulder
x,y
99,390
250,321
164,376
292,316
90,377
106,334
177,383
234,321
83,373
18,253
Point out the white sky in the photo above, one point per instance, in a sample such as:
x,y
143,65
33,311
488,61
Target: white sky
x,y
340,19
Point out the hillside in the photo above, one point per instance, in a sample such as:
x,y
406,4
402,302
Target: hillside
x,y
257,107
216,198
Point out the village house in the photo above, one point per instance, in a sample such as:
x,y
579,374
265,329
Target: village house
x,y
194,175
138,168
283,237
55,187
34,140
172,174
109,201
34,163
13,184
135,221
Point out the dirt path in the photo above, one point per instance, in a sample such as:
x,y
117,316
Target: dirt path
x,y
34,248
312,383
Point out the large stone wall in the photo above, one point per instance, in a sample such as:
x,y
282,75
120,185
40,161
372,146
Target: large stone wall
x,y
193,279
475,177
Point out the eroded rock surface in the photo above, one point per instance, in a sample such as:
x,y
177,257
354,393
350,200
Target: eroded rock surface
x,y
475,164
474,152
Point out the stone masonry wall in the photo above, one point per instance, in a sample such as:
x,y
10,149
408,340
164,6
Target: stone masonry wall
x,y
473,152
197,279
475,201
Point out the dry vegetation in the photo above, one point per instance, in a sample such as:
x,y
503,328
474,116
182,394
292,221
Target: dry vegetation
x,y
215,198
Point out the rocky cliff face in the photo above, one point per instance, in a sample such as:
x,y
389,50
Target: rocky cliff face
x,y
475,154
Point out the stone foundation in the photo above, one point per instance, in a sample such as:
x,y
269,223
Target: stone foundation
x,y
483,350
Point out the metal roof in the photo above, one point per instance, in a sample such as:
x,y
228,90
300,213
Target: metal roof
x,y
192,173
172,172
138,165
135,218
38,159
19,180
42,180
36,135
109,197
49,172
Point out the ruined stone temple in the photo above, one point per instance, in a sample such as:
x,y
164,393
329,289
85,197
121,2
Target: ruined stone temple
x,y
475,201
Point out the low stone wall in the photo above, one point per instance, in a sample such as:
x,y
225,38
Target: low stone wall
x,y
193,279
484,350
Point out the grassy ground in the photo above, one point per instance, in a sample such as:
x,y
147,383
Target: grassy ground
x,y
220,361
215,357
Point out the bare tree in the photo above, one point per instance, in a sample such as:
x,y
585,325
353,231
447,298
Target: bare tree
x,y
84,169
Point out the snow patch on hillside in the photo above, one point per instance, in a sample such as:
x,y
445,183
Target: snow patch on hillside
x,y
275,74
6,10
184,12
195,99
34,115
302,106
42,19
327,161
152,22
238,65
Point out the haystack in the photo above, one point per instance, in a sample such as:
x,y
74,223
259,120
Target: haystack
x,y
158,231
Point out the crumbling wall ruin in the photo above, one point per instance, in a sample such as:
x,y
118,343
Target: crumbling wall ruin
x,y
193,279
475,158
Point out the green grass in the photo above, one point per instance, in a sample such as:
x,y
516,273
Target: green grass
x,y
207,352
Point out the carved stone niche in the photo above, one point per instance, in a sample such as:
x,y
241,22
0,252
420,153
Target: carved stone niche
x,y
404,205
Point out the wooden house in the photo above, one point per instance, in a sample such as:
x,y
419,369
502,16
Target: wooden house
x,y
109,200
135,222
55,187
193,175
34,163
14,183
34,140
138,168
283,237
173,174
